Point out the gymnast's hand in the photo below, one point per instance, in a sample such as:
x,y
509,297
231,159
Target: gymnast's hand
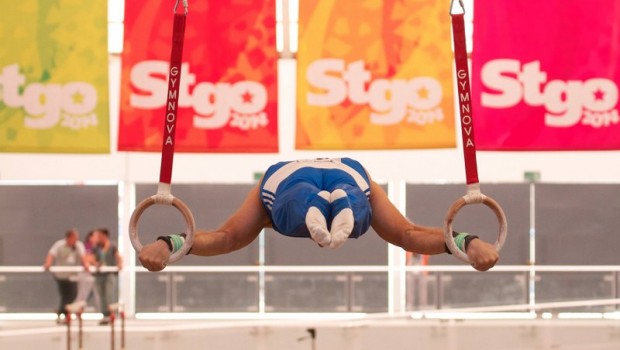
x,y
154,256
482,255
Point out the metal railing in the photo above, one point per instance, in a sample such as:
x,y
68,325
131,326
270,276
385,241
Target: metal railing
x,y
183,285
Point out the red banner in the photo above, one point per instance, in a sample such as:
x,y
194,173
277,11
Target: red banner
x,y
546,75
228,86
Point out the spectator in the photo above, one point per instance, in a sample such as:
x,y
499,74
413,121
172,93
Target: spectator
x,y
106,254
66,252
86,281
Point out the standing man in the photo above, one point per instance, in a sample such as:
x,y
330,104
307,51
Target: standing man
x,y
106,254
66,252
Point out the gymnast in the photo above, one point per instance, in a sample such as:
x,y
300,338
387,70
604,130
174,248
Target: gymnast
x,y
327,200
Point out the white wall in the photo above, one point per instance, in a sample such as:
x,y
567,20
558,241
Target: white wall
x,y
444,165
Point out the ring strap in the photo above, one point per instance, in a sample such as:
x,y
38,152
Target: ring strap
x,y
176,56
464,96
164,195
473,196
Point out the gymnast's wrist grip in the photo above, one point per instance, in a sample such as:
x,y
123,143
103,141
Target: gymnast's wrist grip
x,y
167,240
174,242
462,239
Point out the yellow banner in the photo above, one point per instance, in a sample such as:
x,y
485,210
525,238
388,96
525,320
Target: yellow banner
x,y
54,77
374,74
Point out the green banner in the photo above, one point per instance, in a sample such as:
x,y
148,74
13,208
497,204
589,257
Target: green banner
x,y
54,77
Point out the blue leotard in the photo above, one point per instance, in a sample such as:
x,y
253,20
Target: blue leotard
x,y
289,188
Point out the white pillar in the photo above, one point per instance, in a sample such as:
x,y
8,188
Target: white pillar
x,y
396,255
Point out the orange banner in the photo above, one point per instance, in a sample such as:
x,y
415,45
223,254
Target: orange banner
x,y
374,75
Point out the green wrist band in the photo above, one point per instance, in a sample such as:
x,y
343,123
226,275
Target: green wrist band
x,y
462,240
459,240
177,242
174,242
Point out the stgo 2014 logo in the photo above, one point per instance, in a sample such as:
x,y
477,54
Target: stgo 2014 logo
x,y
391,101
239,105
567,103
46,105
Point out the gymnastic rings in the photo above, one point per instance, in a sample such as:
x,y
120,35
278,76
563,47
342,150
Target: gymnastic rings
x,y
165,200
164,196
474,196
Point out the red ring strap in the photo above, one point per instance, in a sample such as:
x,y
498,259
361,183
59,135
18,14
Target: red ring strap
x,y
464,96
167,150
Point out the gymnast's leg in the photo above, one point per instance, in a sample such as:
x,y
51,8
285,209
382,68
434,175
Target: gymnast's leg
x,y
301,210
342,217
316,219
350,212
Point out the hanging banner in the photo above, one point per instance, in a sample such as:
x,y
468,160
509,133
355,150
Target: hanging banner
x,y
228,87
546,75
54,77
374,75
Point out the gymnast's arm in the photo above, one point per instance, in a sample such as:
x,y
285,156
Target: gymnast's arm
x,y
237,232
394,228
